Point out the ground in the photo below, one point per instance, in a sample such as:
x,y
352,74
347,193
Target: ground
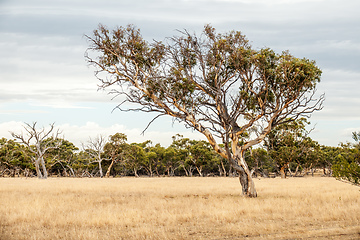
x,y
177,208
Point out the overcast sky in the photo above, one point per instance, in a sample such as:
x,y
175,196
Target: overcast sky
x,y
44,76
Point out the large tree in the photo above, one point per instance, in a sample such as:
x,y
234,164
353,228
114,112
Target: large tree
x,y
215,83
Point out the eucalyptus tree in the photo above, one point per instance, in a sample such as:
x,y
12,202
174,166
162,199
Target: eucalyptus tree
x,y
201,156
35,139
94,148
63,158
290,144
115,149
136,157
216,84
347,163
13,157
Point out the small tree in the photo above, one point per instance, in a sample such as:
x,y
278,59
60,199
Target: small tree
x,y
62,158
290,144
95,149
347,164
214,83
35,140
13,158
115,149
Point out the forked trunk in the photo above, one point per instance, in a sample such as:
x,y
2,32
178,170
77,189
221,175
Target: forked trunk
x,y
282,171
247,183
37,167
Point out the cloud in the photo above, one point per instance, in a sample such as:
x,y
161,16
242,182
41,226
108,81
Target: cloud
x,y
44,76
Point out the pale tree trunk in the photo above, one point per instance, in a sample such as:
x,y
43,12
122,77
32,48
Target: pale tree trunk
x,y
135,172
109,169
71,170
186,172
43,166
246,181
199,170
297,170
37,167
100,170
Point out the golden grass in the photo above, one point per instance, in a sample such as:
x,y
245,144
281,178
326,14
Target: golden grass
x,y
177,208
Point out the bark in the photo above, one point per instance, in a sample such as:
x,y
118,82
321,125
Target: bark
x,y
109,169
282,171
199,170
297,170
43,166
100,170
135,172
223,167
71,170
37,167
246,181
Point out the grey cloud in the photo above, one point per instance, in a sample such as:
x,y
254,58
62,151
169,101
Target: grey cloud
x,y
42,43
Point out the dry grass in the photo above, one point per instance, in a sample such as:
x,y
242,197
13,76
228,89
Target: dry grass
x,y
177,208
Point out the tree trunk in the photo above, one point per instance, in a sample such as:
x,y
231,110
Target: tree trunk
x,y
135,172
297,170
282,171
186,172
199,170
246,181
247,184
109,169
172,172
71,170
100,170
45,174
37,167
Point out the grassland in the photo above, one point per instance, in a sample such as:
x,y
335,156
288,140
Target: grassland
x,y
177,208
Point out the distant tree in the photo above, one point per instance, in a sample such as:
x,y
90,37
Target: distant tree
x,y
115,149
170,161
35,140
201,155
260,162
182,147
63,158
136,157
289,143
94,148
327,158
14,158
347,163
214,83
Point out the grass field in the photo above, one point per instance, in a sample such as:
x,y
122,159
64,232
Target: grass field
x,y
177,208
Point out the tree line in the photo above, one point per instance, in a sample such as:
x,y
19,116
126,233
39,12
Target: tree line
x,y
287,151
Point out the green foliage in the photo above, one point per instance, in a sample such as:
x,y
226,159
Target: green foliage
x,y
184,156
13,155
347,162
62,159
289,143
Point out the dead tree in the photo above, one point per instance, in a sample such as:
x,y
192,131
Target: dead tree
x,y
34,139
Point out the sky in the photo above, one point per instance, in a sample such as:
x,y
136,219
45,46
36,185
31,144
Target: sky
x,y
44,77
